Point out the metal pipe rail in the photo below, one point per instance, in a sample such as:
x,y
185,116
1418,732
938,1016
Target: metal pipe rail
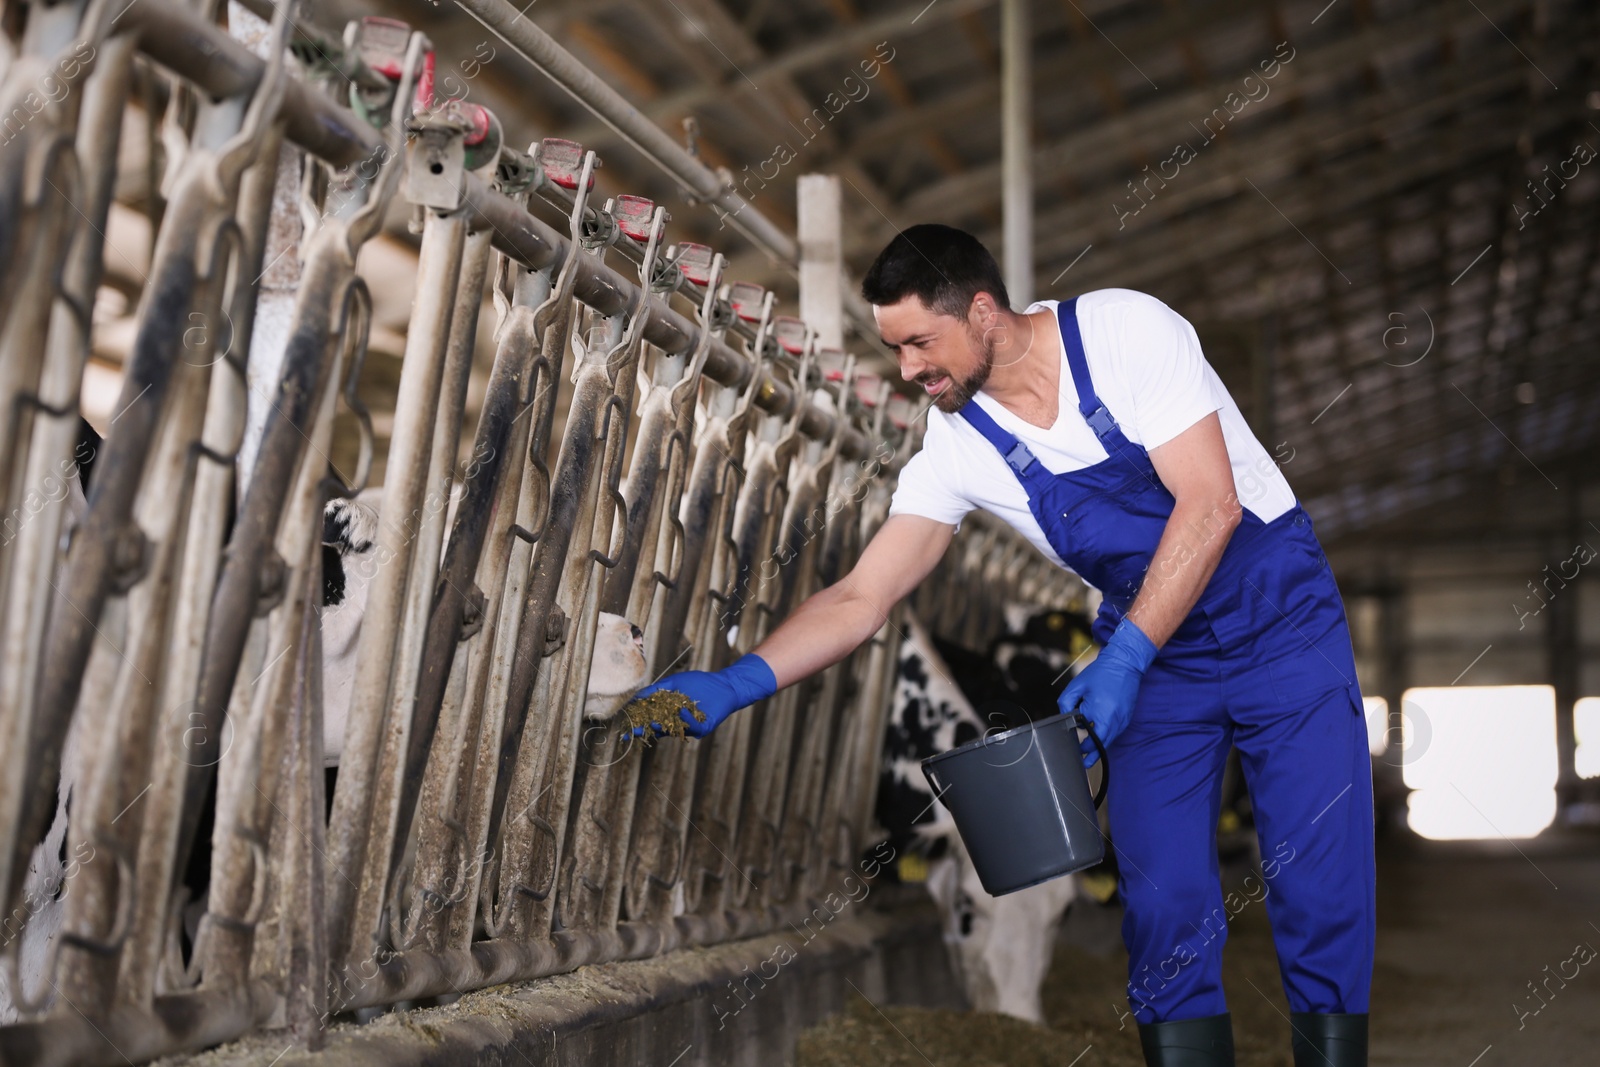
x,y
700,182
186,44
487,825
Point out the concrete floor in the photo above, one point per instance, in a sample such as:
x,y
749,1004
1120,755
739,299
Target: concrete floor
x,y
1463,928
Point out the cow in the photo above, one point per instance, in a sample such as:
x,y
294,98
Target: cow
x,y
349,547
34,922
999,947
1028,664
1042,648
1040,652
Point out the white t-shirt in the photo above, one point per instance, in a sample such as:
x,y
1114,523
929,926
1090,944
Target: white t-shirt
x,y
1147,368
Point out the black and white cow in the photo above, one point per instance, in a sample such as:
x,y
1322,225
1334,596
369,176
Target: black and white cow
x,y
1000,947
1040,652
1029,664
28,934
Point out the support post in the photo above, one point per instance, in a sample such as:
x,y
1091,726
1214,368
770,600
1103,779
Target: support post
x,y
1016,150
821,257
1564,650
1394,676
279,282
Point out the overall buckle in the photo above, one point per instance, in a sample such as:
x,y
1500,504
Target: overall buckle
x,y
1100,421
1020,458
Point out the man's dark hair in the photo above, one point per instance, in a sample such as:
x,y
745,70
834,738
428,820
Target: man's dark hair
x,y
942,266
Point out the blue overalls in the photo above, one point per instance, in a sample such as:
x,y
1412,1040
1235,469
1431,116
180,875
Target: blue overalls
x,y
1263,662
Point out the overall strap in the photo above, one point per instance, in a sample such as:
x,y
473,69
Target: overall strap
x,y
1017,454
1089,406
1020,458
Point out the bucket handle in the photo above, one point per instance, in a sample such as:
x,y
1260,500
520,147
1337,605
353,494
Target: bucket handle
x,y
1105,763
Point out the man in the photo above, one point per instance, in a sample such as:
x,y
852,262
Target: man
x,y
1097,429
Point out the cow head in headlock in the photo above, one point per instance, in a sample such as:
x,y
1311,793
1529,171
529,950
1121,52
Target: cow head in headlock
x,y
350,561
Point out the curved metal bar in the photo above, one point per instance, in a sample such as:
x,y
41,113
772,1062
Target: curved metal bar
x,y
241,149
111,942
613,403
108,527
356,306
367,219
677,448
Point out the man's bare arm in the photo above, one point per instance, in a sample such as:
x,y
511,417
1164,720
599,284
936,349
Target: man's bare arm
x,y
1195,469
833,622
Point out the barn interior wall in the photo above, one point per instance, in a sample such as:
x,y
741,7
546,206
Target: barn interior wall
x,y
1486,612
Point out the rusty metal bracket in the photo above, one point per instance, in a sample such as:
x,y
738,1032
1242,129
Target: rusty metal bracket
x,y
555,630
676,866
542,824
472,612
130,558
436,169
273,583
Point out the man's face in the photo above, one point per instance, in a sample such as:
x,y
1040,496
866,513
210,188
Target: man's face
x,y
948,356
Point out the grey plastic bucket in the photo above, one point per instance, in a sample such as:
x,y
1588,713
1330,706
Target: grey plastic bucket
x,y
1021,802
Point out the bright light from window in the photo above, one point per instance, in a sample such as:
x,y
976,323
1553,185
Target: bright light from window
x,y
1377,710
1481,760
1586,725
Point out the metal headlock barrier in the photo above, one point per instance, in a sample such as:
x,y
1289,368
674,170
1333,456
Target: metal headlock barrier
x,y
480,829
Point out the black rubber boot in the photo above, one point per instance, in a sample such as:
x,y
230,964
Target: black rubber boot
x,y
1324,1039
1204,1042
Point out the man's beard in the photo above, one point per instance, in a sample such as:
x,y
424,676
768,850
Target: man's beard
x,y
957,393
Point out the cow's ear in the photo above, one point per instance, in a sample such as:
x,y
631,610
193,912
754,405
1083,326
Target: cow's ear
x,y
334,524
332,577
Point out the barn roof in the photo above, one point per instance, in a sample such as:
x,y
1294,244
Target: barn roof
x,y
1379,214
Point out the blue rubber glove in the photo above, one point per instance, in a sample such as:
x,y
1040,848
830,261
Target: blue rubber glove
x,y
718,693
1105,690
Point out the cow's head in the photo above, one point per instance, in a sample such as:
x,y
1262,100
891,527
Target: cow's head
x,y
618,670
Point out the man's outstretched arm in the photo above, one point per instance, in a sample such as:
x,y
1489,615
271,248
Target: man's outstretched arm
x,y
833,622
825,628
